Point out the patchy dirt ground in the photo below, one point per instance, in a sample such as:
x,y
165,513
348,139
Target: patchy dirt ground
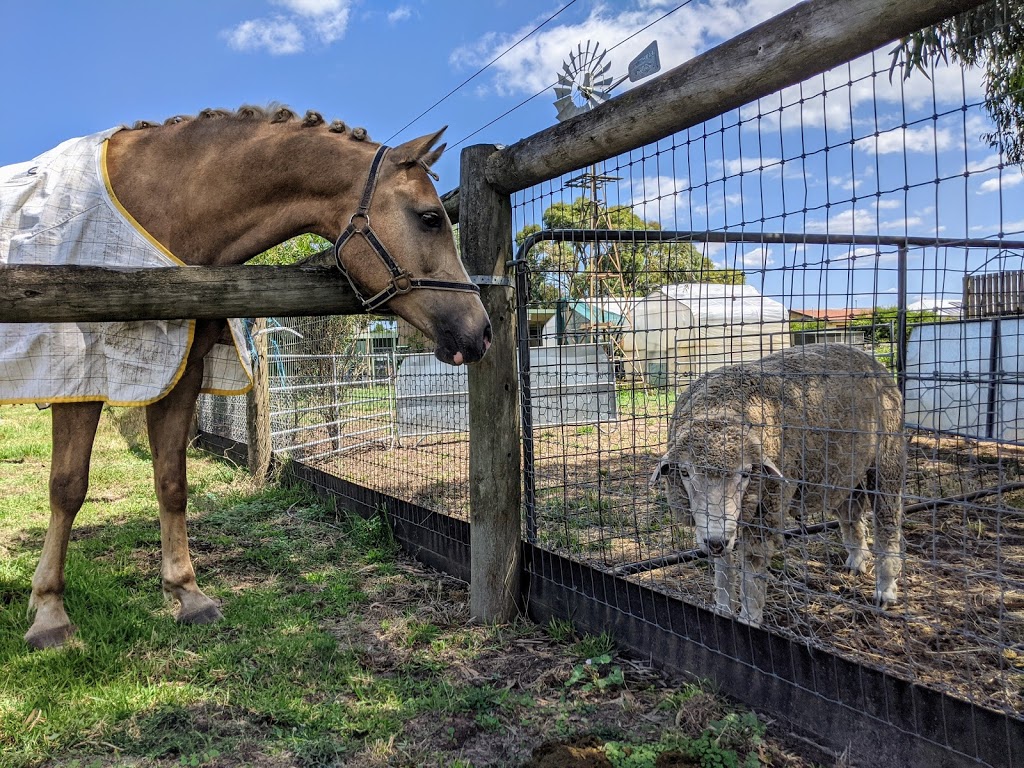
x,y
558,709
959,625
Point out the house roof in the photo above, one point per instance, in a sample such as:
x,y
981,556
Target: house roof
x,y
831,315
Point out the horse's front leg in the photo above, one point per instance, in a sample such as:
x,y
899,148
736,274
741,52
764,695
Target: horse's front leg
x,y
168,421
74,429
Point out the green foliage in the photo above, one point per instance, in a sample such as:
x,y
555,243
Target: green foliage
x,y
591,646
728,743
990,36
560,630
618,269
596,674
291,251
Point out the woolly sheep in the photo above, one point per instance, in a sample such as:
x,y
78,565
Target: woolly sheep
x,y
820,425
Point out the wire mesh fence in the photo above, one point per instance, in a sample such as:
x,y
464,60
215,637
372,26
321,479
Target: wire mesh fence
x,y
853,210
345,398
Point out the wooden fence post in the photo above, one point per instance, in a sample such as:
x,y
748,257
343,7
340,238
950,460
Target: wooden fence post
x,y
495,449
257,407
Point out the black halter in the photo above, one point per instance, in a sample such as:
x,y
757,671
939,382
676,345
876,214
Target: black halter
x,y
401,281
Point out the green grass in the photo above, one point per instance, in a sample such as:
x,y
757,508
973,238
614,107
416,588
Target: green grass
x,y
334,648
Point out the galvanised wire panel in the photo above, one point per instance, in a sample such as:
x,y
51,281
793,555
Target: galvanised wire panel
x,y
852,209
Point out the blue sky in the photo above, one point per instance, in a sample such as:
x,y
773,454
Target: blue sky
x,y
77,68
83,67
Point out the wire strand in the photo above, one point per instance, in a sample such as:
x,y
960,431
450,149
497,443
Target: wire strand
x,y
544,90
481,70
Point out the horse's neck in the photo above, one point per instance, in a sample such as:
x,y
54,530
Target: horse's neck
x,y
222,197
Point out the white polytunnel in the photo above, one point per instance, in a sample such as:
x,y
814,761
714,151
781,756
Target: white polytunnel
x,y
679,332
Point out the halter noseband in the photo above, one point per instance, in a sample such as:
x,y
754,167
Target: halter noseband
x,y
401,281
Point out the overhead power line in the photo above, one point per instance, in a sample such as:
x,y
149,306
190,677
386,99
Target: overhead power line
x,y
527,100
481,70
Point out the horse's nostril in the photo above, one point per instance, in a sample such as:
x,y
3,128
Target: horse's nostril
x,y
487,333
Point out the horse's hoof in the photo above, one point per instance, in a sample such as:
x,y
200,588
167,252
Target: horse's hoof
x,y
207,615
55,637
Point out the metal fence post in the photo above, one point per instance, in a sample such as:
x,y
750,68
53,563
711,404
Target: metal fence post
x,y
485,235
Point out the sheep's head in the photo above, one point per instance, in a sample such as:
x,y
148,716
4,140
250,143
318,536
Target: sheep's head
x,y
707,472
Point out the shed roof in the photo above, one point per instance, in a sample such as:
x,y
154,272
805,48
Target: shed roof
x,y
717,303
606,309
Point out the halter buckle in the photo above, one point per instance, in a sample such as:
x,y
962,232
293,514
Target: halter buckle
x,y
402,283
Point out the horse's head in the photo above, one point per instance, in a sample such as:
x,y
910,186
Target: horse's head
x,y
398,251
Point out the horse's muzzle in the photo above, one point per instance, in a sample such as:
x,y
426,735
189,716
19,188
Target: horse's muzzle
x,y
458,345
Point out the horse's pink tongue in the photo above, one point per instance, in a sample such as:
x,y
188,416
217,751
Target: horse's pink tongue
x,y
457,359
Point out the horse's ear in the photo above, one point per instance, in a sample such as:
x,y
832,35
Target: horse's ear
x,y
419,150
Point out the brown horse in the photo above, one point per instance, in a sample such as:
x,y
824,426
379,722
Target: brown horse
x,y
219,189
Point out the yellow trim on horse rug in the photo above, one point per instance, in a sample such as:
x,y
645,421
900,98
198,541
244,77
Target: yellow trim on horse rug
x,y
59,209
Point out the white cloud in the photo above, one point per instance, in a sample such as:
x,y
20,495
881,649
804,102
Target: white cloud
x,y
656,198
853,221
758,258
401,13
277,36
286,34
314,7
740,165
923,139
534,64
830,99
999,183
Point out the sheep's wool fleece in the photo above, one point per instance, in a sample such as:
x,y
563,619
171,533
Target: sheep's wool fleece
x,y
58,209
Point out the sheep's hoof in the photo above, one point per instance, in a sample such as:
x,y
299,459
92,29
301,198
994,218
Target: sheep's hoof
x,y
857,564
885,599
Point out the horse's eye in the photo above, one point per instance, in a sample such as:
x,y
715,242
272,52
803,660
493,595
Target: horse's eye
x,y
431,220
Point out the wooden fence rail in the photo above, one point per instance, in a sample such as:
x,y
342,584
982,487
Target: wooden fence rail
x,y
79,294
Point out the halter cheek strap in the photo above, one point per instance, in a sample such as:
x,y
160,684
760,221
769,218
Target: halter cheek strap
x,y
401,281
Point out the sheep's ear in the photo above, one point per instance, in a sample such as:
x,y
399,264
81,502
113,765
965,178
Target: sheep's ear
x,y
665,466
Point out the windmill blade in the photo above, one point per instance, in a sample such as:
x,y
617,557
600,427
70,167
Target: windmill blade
x,y
567,108
597,98
562,91
603,84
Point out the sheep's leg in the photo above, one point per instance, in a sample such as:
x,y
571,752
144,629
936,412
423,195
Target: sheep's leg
x,y
758,544
726,582
754,557
854,528
888,530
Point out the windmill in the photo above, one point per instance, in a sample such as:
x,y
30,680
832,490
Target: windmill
x,y
585,83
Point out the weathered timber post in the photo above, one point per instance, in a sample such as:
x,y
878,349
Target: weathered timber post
x,y
257,407
485,234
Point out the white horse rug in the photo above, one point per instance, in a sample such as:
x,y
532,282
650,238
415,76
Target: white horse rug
x,y
59,209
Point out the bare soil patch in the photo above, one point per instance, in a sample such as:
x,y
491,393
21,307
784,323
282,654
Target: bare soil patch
x,y
959,625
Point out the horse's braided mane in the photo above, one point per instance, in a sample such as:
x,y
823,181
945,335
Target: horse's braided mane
x,y
272,114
